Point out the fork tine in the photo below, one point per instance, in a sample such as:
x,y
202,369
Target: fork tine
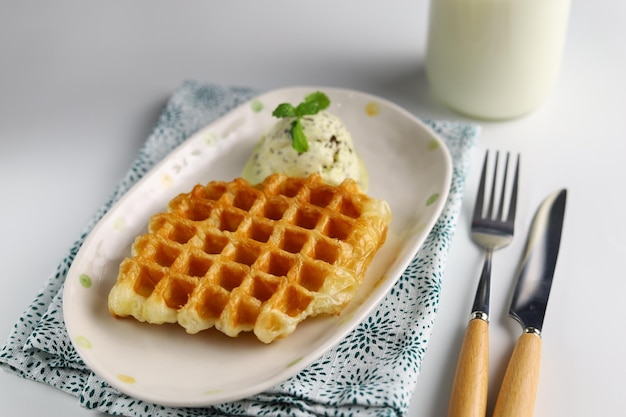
x,y
480,195
503,192
489,214
513,203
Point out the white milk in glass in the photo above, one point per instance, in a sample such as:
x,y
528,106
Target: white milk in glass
x,y
495,59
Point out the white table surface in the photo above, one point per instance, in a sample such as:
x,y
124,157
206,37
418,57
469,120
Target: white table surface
x,y
82,83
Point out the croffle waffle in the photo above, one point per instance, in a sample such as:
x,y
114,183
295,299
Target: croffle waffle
x,y
252,258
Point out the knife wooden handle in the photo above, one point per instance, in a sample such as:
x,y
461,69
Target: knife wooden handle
x,y
519,387
469,388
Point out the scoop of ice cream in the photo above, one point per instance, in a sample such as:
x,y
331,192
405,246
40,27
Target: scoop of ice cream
x,y
331,152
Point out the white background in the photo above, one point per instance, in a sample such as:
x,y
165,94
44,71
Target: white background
x,y
83,82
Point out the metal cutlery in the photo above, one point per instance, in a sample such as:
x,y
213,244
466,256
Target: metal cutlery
x,y
528,306
491,230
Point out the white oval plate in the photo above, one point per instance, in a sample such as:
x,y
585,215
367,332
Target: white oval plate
x,y
409,166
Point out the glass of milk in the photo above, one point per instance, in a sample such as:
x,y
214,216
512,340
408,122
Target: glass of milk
x,y
495,59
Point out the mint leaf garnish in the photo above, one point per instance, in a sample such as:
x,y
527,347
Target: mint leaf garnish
x,y
298,139
312,104
307,108
320,98
284,110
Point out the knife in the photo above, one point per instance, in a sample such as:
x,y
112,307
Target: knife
x,y
528,306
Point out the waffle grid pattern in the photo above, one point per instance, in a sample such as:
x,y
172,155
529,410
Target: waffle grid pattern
x,y
244,258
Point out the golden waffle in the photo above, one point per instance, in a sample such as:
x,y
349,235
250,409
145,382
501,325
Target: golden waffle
x,y
252,258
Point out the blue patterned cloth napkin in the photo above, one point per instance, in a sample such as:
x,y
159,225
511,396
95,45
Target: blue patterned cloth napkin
x,y
372,372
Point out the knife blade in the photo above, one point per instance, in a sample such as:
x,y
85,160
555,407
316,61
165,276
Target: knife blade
x,y
528,306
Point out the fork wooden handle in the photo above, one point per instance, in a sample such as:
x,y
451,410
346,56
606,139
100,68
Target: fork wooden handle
x,y
469,388
519,387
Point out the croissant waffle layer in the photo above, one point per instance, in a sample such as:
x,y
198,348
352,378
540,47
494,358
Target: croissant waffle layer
x,y
252,258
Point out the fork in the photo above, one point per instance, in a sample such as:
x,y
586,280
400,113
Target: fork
x,y
491,231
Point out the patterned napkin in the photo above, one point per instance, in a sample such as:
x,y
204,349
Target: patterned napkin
x,y
371,372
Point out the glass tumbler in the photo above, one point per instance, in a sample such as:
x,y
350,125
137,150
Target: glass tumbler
x,y
495,59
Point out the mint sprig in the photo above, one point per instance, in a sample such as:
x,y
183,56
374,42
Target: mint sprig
x,y
312,104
